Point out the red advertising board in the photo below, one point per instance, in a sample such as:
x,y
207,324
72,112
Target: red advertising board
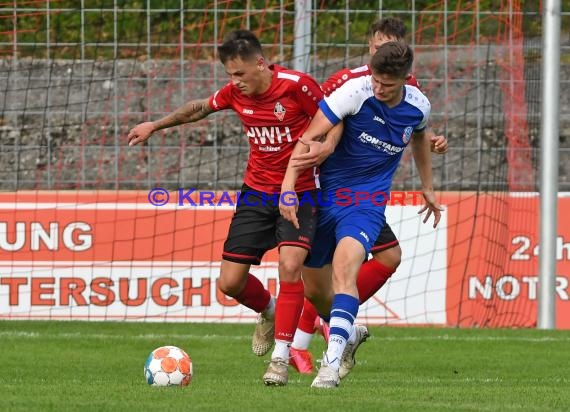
x,y
107,255
492,272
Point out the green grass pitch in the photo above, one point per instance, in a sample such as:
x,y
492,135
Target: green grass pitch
x,y
87,366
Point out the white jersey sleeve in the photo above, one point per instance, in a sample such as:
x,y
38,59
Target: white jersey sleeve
x,y
347,99
416,98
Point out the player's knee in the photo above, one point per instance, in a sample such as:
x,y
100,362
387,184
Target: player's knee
x,y
226,289
290,269
229,286
346,266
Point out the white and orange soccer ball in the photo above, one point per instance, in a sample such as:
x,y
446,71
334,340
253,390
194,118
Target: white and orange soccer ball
x,y
168,366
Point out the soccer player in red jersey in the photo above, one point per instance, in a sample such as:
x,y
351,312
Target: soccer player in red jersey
x,y
386,251
275,105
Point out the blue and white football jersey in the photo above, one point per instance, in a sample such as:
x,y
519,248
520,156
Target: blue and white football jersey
x,y
374,135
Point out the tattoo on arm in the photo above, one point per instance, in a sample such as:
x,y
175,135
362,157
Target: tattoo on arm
x,y
196,110
191,111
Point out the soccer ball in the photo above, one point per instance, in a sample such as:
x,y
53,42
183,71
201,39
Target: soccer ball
x,y
168,366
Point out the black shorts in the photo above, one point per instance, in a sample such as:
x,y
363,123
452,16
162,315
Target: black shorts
x,y
257,226
386,240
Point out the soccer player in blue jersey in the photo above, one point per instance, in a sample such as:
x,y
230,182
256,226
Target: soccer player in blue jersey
x,y
381,116
386,252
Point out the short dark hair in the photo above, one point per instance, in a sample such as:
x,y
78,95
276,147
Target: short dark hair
x,y
394,58
388,26
239,43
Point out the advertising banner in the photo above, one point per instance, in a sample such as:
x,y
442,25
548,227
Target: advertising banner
x,y
119,256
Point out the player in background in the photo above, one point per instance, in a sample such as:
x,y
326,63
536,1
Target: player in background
x,y
386,250
275,105
380,119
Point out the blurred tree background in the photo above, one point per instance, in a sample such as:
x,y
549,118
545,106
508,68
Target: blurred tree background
x,y
128,22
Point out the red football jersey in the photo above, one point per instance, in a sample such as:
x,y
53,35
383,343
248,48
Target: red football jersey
x,y
343,75
273,122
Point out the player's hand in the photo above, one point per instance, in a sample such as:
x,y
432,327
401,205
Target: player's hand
x,y
140,133
316,155
438,144
288,205
432,206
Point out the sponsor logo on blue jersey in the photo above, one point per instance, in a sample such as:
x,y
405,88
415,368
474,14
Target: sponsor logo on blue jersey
x,y
407,134
380,144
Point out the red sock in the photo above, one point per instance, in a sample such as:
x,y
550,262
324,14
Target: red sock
x,y
288,309
308,317
371,278
254,295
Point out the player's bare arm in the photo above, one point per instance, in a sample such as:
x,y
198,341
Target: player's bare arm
x,y
319,151
189,112
438,143
301,149
422,157
289,210
318,127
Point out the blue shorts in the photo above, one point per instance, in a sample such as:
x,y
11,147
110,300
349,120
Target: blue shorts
x,y
335,222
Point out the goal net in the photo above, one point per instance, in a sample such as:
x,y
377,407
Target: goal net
x,y
80,239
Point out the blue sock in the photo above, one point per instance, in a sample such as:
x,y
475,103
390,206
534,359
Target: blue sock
x,y
343,313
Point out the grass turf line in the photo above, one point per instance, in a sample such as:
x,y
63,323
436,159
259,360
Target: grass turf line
x,y
97,366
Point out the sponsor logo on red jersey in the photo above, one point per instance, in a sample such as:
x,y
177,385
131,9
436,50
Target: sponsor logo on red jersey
x,y
269,135
279,111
